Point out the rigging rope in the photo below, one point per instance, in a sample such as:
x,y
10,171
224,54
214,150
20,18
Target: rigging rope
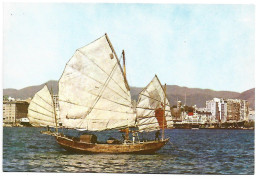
x,y
101,92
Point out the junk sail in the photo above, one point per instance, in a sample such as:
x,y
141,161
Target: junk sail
x,y
150,108
93,91
41,110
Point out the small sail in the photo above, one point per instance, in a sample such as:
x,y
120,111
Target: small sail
x,y
150,108
40,110
93,92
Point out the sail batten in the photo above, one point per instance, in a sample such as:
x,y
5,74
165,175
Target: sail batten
x,y
42,122
150,109
100,108
51,105
152,99
145,117
42,114
92,87
37,104
126,105
101,84
105,71
153,108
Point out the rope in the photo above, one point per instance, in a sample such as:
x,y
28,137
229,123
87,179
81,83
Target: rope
x,y
102,90
171,144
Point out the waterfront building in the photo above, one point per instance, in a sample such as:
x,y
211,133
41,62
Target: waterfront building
x,y
13,111
202,109
193,118
218,109
233,110
228,110
251,116
179,104
204,115
11,99
244,110
176,113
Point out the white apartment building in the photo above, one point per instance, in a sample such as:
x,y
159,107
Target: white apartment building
x,y
218,109
224,110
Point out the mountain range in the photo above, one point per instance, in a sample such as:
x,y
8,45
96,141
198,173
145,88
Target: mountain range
x,y
174,93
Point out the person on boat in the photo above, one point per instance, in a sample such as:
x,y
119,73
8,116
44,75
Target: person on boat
x,y
48,128
127,134
157,134
123,136
134,137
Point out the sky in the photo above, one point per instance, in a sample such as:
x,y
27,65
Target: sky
x,y
198,46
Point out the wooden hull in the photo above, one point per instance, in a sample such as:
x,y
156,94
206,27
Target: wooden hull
x,y
136,148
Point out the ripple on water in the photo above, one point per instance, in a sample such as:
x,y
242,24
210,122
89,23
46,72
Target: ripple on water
x,y
190,152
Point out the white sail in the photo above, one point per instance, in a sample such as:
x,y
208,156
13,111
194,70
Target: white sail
x,y
93,92
40,110
150,108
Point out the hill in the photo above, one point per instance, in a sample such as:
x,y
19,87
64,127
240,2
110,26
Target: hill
x,y
28,92
193,95
249,95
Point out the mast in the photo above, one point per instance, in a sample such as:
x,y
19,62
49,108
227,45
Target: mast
x,y
123,53
113,50
185,99
54,109
177,109
164,110
126,129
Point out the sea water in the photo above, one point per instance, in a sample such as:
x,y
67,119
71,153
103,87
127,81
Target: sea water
x,y
203,151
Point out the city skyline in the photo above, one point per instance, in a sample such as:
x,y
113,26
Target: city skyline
x,y
197,46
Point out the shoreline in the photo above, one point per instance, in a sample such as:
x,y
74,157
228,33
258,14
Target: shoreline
x,y
238,128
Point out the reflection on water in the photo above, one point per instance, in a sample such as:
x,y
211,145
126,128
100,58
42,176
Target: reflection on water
x,y
66,162
190,152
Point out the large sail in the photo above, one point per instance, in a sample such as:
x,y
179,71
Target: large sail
x,y
150,108
93,92
41,110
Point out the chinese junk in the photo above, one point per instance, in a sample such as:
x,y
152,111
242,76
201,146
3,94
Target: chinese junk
x,y
94,96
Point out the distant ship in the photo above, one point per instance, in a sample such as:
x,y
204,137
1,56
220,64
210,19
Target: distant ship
x,y
94,95
25,122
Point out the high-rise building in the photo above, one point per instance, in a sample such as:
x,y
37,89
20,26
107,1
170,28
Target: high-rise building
x,y
217,107
244,110
233,110
224,110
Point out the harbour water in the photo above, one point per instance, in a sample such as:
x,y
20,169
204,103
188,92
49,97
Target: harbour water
x,y
204,151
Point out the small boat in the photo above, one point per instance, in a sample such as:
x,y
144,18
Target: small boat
x,y
25,122
94,96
